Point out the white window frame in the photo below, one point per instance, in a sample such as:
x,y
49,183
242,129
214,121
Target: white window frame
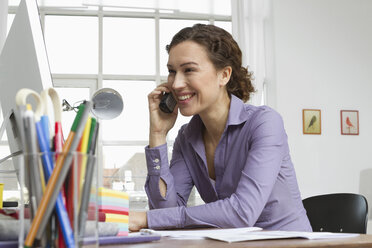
x,y
95,81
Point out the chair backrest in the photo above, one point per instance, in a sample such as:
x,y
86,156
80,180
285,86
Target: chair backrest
x,y
343,212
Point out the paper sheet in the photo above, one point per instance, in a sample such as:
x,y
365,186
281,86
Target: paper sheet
x,y
201,234
245,234
265,235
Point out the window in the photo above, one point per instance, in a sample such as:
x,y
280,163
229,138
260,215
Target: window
x,y
79,36
124,49
133,123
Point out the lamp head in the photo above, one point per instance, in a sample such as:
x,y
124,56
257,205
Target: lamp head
x,y
107,104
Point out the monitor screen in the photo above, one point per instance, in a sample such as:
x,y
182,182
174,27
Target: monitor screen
x,y
23,64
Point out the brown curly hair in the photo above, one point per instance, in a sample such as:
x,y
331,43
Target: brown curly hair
x,y
223,51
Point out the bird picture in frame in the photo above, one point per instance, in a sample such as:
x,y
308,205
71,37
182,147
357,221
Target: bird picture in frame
x,y
311,121
349,122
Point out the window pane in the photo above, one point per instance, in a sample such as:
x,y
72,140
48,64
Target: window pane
x,y
72,43
225,25
4,150
13,2
168,28
128,46
125,169
55,3
217,7
222,7
117,157
60,3
133,123
73,96
195,6
181,120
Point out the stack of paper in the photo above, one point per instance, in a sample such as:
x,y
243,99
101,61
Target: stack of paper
x,y
245,234
115,205
264,235
200,233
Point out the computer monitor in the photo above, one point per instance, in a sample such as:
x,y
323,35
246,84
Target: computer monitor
x,y
23,64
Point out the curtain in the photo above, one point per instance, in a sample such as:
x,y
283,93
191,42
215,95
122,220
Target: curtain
x,y
248,22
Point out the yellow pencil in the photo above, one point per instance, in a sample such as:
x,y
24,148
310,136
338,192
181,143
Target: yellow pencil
x,y
83,148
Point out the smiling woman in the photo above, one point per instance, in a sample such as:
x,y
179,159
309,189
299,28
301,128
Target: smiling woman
x,y
235,154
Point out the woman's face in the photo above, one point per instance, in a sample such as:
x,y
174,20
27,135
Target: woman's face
x,y
193,78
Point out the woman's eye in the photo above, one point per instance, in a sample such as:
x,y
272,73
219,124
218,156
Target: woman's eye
x,y
171,71
189,69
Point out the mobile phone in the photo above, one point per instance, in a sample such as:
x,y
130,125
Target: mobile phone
x,y
167,103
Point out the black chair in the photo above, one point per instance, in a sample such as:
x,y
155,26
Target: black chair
x,y
342,212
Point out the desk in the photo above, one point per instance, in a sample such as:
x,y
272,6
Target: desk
x,y
361,241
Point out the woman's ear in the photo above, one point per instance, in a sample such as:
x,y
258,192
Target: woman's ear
x,y
225,75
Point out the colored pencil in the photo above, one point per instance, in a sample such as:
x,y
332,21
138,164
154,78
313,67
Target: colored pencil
x,y
47,161
58,176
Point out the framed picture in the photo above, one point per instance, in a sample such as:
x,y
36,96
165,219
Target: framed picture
x,y
349,122
312,122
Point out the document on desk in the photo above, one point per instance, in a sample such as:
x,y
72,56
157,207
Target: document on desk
x,y
201,233
266,235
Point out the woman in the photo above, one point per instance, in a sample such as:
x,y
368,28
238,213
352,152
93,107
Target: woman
x,y
235,154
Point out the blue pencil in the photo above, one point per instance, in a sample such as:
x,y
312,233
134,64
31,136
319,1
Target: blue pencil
x,y
47,160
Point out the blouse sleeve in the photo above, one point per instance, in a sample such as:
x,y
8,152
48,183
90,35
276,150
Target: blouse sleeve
x,y
158,167
245,205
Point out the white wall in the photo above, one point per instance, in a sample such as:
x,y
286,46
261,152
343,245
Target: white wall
x,y
322,53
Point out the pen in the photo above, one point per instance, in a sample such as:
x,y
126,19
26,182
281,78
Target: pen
x,y
47,161
58,176
32,160
83,211
36,171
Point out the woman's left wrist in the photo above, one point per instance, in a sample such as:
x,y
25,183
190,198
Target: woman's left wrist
x,y
145,224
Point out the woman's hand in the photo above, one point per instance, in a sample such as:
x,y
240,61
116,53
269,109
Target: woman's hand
x,y
160,122
137,221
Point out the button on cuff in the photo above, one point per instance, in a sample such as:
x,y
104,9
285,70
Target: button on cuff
x,y
156,158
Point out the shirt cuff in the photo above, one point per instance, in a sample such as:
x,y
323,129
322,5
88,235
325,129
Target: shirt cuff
x,y
164,218
157,160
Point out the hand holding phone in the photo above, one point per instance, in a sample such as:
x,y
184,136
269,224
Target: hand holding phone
x,y
167,103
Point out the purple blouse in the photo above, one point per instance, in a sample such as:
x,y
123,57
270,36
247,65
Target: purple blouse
x,y
255,183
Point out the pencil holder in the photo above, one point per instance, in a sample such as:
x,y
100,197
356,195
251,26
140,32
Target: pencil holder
x,y
58,201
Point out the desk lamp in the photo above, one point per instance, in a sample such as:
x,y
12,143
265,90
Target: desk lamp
x,y
107,104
